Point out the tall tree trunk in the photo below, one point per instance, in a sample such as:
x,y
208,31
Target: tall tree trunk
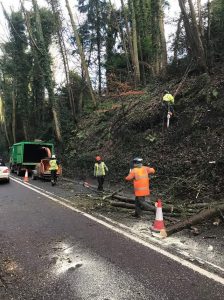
x,y
48,73
201,50
3,118
122,36
177,38
135,44
13,116
209,47
81,53
54,6
98,38
200,22
193,35
163,56
25,130
129,37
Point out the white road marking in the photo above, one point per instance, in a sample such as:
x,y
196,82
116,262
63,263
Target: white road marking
x,y
182,261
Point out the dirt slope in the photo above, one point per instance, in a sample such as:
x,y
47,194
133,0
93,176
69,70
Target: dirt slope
x,y
188,157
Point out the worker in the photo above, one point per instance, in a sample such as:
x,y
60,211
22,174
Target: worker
x,y
100,170
53,168
168,103
140,176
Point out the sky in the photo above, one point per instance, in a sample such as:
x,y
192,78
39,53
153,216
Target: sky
x,y
170,13
15,4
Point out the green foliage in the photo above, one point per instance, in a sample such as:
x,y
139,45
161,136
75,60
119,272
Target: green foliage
x,y
23,74
217,29
116,61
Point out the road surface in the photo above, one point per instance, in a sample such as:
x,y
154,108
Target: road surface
x,y
49,251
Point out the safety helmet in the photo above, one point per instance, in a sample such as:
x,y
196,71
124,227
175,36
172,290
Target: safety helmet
x,y
137,160
98,158
53,156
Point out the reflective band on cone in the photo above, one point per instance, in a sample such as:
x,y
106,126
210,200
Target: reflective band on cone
x,y
26,178
158,223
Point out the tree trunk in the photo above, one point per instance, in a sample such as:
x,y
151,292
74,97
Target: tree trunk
x,y
201,216
3,118
200,22
193,35
200,47
98,38
176,41
13,116
81,53
56,12
129,37
209,48
163,55
25,130
135,44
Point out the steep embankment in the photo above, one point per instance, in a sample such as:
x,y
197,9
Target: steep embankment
x,y
188,157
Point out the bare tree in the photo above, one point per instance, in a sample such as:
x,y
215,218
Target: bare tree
x,y
81,53
55,6
193,35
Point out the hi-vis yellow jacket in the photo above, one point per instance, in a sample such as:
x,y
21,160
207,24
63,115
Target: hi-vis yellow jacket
x,y
100,169
168,98
53,165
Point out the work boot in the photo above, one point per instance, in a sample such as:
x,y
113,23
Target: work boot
x,y
136,216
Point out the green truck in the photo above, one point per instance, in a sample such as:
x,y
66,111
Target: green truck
x,y
26,155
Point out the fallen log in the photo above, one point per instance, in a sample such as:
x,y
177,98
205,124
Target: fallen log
x,y
166,208
122,204
149,210
169,209
112,194
124,199
203,205
205,214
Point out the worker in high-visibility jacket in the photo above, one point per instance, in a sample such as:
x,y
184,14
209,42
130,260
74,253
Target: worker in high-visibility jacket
x,y
168,103
100,170
140,176
53,168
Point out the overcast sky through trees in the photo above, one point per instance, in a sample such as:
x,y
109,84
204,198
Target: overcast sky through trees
x,y
170,13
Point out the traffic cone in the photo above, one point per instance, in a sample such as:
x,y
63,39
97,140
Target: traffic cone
x,y
159,225
26,177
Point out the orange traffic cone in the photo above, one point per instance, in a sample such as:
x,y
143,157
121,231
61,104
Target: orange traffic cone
x,y
26,177
158,225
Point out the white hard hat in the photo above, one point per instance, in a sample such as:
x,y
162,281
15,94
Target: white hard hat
x,y
53,156
137,160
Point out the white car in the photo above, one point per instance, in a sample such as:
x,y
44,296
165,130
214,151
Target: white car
x,y
4,172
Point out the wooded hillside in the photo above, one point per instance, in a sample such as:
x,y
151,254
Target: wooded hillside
x,y
107,56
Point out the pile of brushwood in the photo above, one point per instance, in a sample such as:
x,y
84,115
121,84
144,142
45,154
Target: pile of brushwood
x,y
193,213
188,157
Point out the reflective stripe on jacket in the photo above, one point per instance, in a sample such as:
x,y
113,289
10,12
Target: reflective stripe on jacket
x,y
100,169
141,180
168,98
53,165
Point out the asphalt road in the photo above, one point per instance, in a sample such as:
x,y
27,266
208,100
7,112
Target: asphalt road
x,y
48,251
